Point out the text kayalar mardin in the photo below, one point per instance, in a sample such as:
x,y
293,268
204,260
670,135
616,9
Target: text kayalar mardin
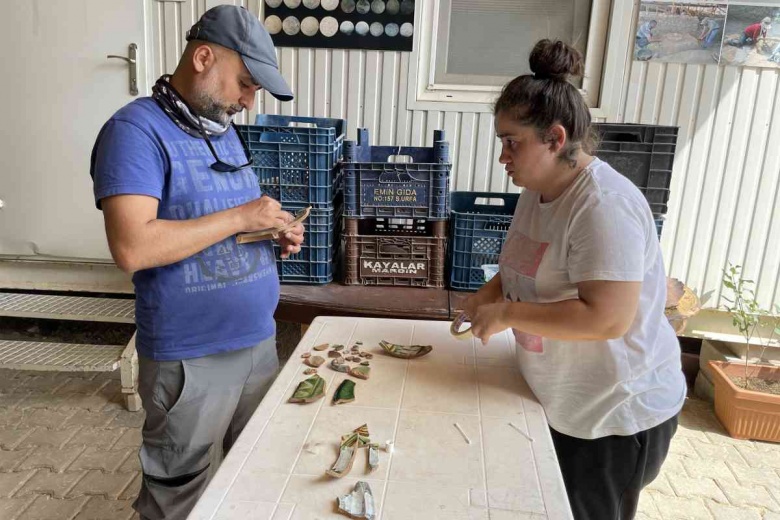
x,y
394,267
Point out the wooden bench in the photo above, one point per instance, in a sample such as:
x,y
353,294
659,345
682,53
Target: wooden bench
x,y
302,303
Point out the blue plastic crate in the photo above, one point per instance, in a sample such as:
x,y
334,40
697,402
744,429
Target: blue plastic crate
x,y
644,154
477,231
296,164
477,234
320,131
315,263
375,186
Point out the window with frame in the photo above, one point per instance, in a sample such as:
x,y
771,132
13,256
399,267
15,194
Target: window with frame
x,y
465,51
487,42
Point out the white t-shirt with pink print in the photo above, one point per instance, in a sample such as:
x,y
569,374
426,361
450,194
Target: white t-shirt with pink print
x,y
600,228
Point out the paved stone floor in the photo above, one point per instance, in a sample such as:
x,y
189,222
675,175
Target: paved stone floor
x,y
68,450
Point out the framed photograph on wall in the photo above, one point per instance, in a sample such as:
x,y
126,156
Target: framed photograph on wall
x,y
386,25
680,32
752,35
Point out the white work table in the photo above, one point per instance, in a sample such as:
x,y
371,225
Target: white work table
x,y
276,469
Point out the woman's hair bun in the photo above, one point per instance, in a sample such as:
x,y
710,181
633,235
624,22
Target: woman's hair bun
x,y
556,60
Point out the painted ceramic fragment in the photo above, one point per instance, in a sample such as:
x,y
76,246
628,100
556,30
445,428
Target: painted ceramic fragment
x,y
343,464
405,351
314,361
359,503
360,372
309,390
345,393
350,443
339,365
373,457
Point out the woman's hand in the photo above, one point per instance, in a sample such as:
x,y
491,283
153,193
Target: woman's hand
x,y
488,293
489,319
474,302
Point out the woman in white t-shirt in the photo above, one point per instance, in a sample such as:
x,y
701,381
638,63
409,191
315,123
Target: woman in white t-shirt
x,y
582,285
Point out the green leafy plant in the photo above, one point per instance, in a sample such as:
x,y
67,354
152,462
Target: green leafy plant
x,y
748,317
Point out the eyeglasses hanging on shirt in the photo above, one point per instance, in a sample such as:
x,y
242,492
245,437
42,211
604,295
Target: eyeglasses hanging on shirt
x,y
180,113
224,167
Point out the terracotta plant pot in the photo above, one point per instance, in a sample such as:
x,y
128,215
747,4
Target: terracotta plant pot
x,y
744,413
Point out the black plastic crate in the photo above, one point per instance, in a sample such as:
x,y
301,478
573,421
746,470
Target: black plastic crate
x,y
396,181
316,262
644,154
398,252
477,232
296,164
478,226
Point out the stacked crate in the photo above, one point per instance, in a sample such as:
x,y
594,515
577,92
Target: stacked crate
x,y
396,207
480,221
644,154
297,161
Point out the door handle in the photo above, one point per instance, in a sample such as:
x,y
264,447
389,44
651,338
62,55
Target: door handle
x,y
128,60
132,62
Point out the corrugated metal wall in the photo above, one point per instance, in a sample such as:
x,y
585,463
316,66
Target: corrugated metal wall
x,y
724,193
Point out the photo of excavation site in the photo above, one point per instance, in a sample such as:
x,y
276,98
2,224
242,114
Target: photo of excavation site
x,y
680,32
752,36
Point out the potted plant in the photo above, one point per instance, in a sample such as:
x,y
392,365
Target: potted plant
x,y
747,395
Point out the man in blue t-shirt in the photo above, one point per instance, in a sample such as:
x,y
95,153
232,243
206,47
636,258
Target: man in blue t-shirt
x,y
644,35
174,181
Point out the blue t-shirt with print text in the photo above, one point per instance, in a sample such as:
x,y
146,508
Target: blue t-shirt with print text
x,y
220,299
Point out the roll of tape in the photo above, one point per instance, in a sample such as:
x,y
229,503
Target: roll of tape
x,y
457,323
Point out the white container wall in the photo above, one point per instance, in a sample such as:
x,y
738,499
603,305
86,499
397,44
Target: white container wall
x,y
724,192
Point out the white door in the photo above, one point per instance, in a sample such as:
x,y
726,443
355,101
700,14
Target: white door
x,y
58,88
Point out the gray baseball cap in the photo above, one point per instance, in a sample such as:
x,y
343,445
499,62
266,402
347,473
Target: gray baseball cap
x,y
237,29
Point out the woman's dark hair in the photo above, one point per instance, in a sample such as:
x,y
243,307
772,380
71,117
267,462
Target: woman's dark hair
x,y
546,97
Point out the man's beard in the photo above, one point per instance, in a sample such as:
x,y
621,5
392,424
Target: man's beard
x,y
208,106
